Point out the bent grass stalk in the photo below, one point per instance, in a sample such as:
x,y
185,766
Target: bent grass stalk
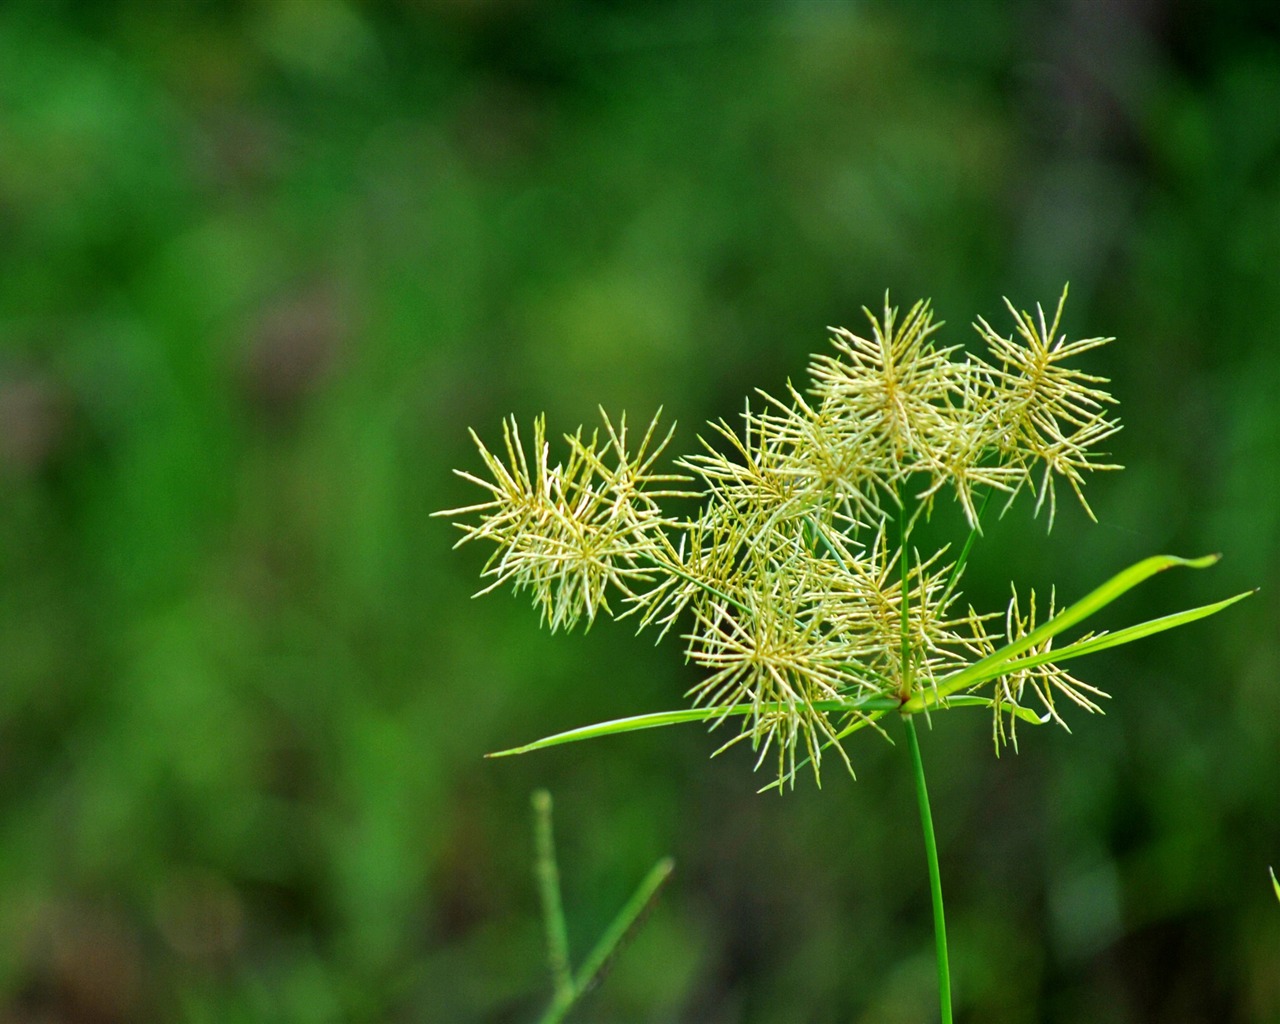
x,y
569,986
812,616
547,873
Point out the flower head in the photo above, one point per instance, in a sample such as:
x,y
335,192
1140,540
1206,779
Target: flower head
x,y
571,532
895,386
1040,411
812,612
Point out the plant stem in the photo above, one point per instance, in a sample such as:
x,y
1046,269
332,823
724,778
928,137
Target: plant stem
x,y
629,918
548,877
935,876
958,568
904,665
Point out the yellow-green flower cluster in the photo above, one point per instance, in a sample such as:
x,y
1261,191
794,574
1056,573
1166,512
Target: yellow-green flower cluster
x,y
809,610
574,531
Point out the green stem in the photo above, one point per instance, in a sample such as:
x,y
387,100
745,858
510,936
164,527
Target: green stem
x,y
675,570
670,566
958,568
548,877
935,876
904,536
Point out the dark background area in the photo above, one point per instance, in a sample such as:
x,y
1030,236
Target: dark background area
x,y
262,264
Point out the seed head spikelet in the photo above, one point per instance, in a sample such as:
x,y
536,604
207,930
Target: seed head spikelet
x,y
573,532
1040,411
891,386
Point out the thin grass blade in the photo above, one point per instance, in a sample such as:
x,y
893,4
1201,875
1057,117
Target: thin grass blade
x,y
1127,635
994,664
969,700
660,718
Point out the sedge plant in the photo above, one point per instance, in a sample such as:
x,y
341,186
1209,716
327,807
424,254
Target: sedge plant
x,y
800,589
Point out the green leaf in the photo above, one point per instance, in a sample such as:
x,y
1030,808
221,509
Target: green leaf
x,y
1127,635
661,718
997,664
614,726
1275,884
969,700
656,720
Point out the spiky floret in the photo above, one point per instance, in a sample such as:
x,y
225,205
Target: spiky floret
x,y
1041,412
774,651
748,482
1033,674
902,624
574,531
896,386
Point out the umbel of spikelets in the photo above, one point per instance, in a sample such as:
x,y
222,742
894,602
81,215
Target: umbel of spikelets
x,y
807,607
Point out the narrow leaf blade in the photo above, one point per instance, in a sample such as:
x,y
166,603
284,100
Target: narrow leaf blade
x,y
1130,633
615,726
969,700
658,719
994,665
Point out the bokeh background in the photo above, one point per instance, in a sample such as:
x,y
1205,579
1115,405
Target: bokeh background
x,y
263,263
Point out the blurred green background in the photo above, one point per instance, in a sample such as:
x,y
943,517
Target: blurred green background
x,y
262,263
